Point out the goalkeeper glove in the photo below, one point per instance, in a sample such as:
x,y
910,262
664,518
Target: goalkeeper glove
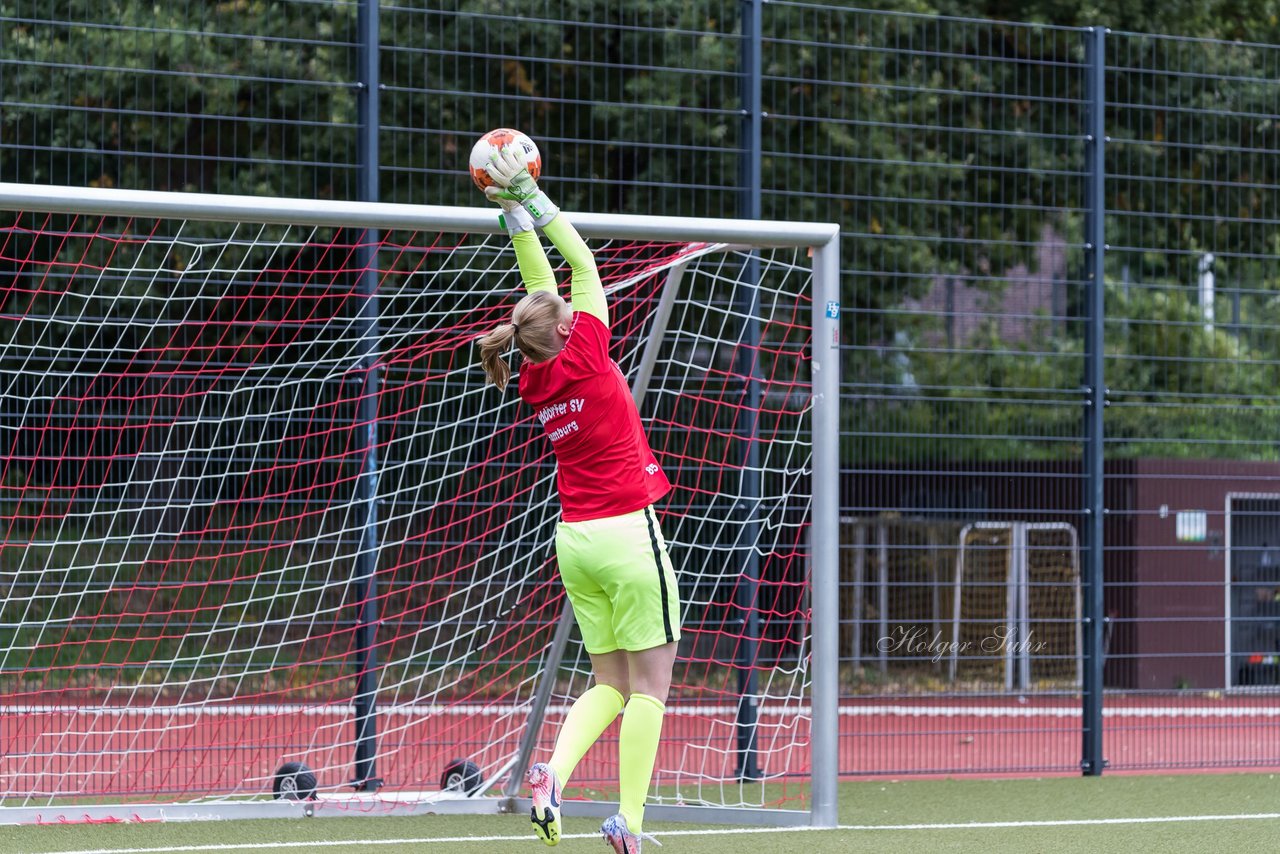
x,y
513,218
507,168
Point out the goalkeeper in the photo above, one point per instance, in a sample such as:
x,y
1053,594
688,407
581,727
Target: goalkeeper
x,y
612,556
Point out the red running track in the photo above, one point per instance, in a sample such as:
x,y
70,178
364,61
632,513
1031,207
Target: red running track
x,y
175,753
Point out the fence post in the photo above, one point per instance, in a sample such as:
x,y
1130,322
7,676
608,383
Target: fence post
x,y
1092,761
364,583
747,305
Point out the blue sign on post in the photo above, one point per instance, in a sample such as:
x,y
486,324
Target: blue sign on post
x,y
833,310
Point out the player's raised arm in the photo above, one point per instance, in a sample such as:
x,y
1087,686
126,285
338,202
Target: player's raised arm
x,y
587,291
535,269
540,322
517,186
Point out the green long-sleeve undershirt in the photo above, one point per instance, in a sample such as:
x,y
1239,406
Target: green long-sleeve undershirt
x,y
586,292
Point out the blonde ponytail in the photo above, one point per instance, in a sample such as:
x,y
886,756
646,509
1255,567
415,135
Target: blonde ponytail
x,y
493,348
532,328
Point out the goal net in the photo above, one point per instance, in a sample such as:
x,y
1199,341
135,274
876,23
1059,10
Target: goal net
x,y
260,511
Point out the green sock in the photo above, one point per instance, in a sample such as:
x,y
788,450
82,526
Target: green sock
x,y
637,750
589,716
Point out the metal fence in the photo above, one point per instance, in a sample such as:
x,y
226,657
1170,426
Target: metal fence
x,y
1060,501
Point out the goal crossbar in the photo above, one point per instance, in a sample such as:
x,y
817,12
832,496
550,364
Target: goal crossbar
x,y
101,201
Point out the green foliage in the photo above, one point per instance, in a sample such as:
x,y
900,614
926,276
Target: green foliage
x,y
989,400
630,99
1176,389
1245,20
249,96
943,148
1179,389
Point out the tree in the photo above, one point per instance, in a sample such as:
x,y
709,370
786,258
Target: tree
x,y
944,148
247,96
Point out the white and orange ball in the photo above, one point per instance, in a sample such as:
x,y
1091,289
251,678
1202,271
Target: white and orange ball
x,y
492,142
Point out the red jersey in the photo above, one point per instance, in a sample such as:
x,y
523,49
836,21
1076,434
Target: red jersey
x,y
606,467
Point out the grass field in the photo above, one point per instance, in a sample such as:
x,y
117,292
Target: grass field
x,y
1187,813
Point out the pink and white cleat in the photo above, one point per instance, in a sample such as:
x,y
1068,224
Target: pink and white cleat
x,y
545,814
615,833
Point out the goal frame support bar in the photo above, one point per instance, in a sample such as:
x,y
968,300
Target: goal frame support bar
x,y
821,238
99,201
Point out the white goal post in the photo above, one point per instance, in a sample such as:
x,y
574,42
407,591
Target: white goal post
x,y
259,508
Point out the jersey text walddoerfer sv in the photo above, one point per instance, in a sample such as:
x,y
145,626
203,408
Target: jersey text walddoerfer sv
x,y
606,467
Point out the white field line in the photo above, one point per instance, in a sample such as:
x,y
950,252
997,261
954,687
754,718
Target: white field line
x,y
977,825
779,710
1224,711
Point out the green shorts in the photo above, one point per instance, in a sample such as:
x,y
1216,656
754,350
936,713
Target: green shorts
x,y
620,582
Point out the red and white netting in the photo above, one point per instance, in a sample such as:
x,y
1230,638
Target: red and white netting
x,y
190,414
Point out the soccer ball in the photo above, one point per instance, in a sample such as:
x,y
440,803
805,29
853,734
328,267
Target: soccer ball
x,y
494,140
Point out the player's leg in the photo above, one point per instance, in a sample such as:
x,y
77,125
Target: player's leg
x,y
647,625
641,732
589,716
650,671
598,706
591,713
610,668
642,728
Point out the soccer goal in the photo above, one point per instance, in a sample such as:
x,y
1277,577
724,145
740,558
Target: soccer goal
x,y
1016,604
271,547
